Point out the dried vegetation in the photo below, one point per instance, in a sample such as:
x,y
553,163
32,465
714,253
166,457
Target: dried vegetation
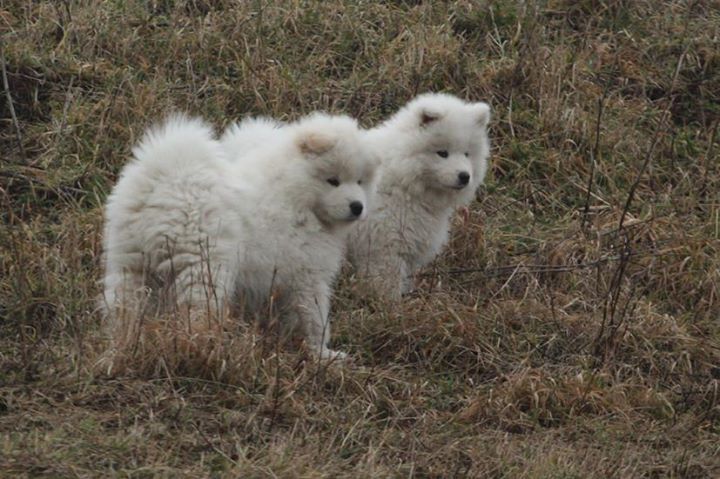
x,y
571,329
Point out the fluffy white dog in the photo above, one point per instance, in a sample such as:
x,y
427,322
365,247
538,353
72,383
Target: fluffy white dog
x,y
184,226
434,155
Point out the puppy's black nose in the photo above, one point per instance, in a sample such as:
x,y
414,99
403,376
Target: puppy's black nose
x,y
356,207
463,178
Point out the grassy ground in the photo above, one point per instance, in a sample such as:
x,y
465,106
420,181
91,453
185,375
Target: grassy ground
x,y
565,332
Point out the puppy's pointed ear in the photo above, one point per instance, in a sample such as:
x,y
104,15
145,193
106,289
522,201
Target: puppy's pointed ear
x,y
428,116
481,112
315,143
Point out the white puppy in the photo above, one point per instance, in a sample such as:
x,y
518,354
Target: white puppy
x,y
185,226
433,155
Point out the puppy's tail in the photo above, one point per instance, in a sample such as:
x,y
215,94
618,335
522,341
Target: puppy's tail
x,y
178,143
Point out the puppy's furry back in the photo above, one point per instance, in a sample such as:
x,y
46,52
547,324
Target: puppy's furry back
x,y
242,138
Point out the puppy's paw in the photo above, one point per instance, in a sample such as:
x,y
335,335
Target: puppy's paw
x,y
327,354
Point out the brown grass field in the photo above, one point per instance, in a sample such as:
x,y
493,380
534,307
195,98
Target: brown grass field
x,y
570,330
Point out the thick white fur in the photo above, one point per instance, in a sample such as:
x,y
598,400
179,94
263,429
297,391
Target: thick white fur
x,y
186,226
417,189
241,138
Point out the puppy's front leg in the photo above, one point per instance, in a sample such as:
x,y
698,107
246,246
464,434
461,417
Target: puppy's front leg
x,y
314,309
408,281
385,277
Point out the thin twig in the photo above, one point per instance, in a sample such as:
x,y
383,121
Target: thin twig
x,y
512,275
613,296
604,342
276,390
66,106
594,154
708,154
11,107
656,139
540,268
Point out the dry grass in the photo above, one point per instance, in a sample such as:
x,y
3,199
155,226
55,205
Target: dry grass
x,y
565,333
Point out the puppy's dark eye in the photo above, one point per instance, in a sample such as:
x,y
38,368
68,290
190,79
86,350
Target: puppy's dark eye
x,y
359,182
467,154
333,181
442,153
